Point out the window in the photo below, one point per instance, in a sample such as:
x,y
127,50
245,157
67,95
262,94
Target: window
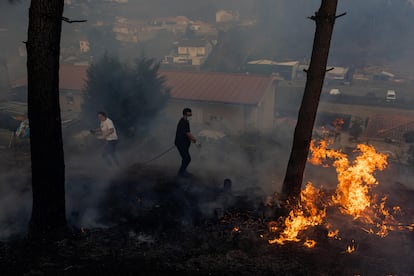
x,y
70,100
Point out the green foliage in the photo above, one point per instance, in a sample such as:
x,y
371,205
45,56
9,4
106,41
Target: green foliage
x,y
131,94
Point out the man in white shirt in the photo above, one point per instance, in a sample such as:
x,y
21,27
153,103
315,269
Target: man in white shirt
x,y
107,132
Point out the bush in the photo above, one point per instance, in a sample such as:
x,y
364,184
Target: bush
x,y
131,94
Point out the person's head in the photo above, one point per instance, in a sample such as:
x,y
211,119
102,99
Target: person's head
x,y
187,113
102,116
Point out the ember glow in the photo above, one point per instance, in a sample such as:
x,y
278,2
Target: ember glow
x,y
350,248
307,214
353,196
309,243
334,234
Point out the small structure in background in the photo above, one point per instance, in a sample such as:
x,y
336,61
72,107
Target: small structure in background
x,y
191,51
337,73
334,92
226,16
391,96
287,70
224,102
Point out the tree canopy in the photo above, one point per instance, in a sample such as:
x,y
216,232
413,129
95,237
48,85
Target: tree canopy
x,y
131,94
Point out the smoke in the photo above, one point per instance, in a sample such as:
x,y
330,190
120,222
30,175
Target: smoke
x,y
367,34
15,201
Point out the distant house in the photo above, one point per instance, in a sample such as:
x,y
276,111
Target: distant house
x,y
223,101
128,30
220,101
193,51
84,45
286,70
202,28
333,73
226,16
190,52
383,75
337,73
176,24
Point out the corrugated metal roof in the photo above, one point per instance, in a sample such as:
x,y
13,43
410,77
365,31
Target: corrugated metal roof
x,y
271,62
217,87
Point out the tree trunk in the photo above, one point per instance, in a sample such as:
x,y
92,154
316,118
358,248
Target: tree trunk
x,y
325,19
48,218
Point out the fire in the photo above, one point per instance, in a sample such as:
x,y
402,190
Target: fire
x,y
334,234
355,181
351,247
310,243
353,196
272,226
236,229
305,215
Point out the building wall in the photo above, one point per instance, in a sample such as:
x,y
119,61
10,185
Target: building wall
x,y
70,100
228,117
225,16
266,109
192,51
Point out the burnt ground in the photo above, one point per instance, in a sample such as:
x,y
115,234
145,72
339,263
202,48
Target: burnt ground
x,y
143,220
156,224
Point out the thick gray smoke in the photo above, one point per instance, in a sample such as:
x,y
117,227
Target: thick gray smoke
x,y
366,35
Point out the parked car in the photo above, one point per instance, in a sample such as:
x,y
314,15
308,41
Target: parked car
x,y
334,91
391,96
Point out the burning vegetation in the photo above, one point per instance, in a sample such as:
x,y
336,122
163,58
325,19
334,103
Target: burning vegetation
x,y
354,197
155,225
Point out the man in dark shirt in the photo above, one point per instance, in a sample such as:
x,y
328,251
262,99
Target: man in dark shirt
x,y
183,139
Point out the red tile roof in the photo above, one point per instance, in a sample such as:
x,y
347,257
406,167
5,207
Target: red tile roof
x,y
196,86
71,77
217,87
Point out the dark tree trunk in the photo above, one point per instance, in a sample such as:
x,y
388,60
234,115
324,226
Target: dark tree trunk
x,y
325,19
48,218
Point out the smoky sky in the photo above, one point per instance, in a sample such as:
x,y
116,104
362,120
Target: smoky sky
x,y
372,32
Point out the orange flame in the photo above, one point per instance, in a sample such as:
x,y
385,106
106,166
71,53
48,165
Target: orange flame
x,y
353,196
350,248
302,217
310,243
236,229
333,234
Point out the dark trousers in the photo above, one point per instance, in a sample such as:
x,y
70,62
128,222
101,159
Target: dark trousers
x,y
108,153
186,159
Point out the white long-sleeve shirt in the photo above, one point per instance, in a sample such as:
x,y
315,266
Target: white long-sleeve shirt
x,y
105,127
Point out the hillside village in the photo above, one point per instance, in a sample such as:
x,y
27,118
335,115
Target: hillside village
x,y
139,216
261,95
